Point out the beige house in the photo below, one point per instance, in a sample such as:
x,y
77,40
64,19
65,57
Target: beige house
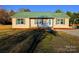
x,y
33,20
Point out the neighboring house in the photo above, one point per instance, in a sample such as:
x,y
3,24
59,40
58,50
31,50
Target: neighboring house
x,y
32,20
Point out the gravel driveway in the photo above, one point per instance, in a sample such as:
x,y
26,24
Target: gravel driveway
x,y
71,32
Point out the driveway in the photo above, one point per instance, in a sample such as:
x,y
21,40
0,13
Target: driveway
x,y
72,32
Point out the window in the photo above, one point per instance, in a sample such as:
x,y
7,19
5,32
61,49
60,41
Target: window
x,y
57,21
60,21
20,21
49,21
35,21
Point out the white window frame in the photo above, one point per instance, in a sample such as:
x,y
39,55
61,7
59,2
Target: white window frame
x,y
21,21
60,21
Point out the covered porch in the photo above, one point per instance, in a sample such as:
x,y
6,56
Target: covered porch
x,y
41,22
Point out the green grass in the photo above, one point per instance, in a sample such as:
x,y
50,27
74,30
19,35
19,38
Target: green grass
x,y
61,43
31,41
45,44
73,40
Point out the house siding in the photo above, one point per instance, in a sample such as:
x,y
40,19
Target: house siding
x,y
33,25
26,25
29,23
66,25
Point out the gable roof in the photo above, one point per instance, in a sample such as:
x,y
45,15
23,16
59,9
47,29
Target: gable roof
x,y
39,14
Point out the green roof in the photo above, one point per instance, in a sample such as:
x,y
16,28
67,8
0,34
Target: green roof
x,y
39,14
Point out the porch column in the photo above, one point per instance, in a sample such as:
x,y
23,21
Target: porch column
x,y
29,23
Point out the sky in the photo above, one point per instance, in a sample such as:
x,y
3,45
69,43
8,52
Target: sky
x,y
43,8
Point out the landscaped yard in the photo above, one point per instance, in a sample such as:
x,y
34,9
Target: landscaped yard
x,y
37,41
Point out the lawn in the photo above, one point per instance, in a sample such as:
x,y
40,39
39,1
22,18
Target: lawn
x,y
38,41
62,43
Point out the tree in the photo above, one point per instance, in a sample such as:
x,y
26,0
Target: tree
x,y
69,13
11,12
74,18
24,10
4,17
58,11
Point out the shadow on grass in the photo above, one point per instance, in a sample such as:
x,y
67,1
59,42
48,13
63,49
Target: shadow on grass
x,y
30,43
36,39
9,43
33,42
